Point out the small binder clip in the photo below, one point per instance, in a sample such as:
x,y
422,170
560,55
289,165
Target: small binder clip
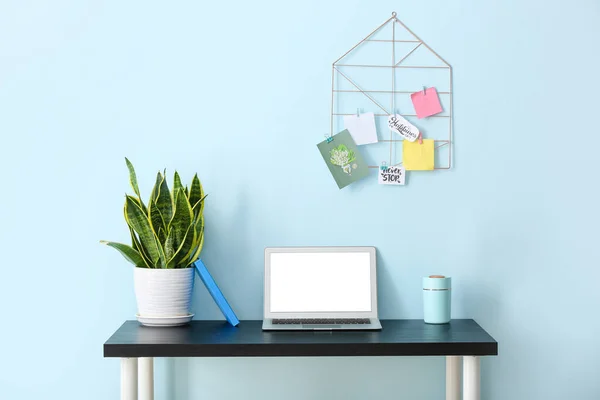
x,y
328,138
384,166
420,138
424,90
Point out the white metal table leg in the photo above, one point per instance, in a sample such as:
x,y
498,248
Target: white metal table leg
x,y
453,375
129,379
471,378
146,379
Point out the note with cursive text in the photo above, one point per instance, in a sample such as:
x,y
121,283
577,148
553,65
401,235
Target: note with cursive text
x,y
401,126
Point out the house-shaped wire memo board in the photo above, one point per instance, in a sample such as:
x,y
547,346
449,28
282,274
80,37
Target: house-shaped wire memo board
x,y
413,65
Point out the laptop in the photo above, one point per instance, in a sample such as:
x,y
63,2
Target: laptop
x,y
320,288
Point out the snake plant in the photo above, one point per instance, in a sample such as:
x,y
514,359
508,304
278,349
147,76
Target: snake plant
x,y
168,232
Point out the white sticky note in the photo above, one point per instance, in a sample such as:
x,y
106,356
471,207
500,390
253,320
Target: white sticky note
x,y
392,176
401,126
361,128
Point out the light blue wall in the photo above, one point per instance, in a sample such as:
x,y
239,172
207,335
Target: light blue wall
x,y
239,92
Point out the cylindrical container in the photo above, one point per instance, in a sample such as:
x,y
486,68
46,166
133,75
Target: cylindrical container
x,y
163,292
436,299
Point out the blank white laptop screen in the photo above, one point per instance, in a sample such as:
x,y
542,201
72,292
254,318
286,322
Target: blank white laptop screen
x,y
320,282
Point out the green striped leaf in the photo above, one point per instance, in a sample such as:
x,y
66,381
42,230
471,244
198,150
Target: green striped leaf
x,y
139,203
196,194
182,218
140,223
196,253
176,184
128,252
197,249
184,248
154,193
135,243
157,221
169,245
199,224
198,208
163,199
162,236
134,183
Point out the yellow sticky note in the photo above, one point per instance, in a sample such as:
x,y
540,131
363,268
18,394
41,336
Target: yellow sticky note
x,y
417,156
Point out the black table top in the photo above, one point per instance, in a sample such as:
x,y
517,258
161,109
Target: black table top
x,y
219,339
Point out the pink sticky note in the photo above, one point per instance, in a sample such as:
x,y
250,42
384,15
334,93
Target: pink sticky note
x,y
426,103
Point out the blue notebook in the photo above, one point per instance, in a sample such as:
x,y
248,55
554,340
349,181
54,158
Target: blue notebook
x,y
215,292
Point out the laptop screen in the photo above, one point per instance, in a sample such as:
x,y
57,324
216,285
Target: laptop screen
x,y
320,282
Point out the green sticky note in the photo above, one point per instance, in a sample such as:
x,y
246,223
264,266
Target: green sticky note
x,y
343,159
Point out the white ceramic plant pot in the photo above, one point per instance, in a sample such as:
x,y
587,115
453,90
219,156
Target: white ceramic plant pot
x,y
163,292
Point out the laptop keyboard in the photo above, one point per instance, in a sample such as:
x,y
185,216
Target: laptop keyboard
x,y
325,321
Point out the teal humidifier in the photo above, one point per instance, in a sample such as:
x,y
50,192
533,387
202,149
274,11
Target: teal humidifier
x,y
436,299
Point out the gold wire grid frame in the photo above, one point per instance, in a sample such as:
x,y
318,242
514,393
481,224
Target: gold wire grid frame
x,y
394,65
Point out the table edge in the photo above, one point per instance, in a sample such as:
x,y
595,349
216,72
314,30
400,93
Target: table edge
x,y
119,350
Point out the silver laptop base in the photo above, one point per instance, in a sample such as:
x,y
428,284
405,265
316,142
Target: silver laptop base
x,y
268,325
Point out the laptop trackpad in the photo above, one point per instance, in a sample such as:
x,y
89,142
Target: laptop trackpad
x,y
320,326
